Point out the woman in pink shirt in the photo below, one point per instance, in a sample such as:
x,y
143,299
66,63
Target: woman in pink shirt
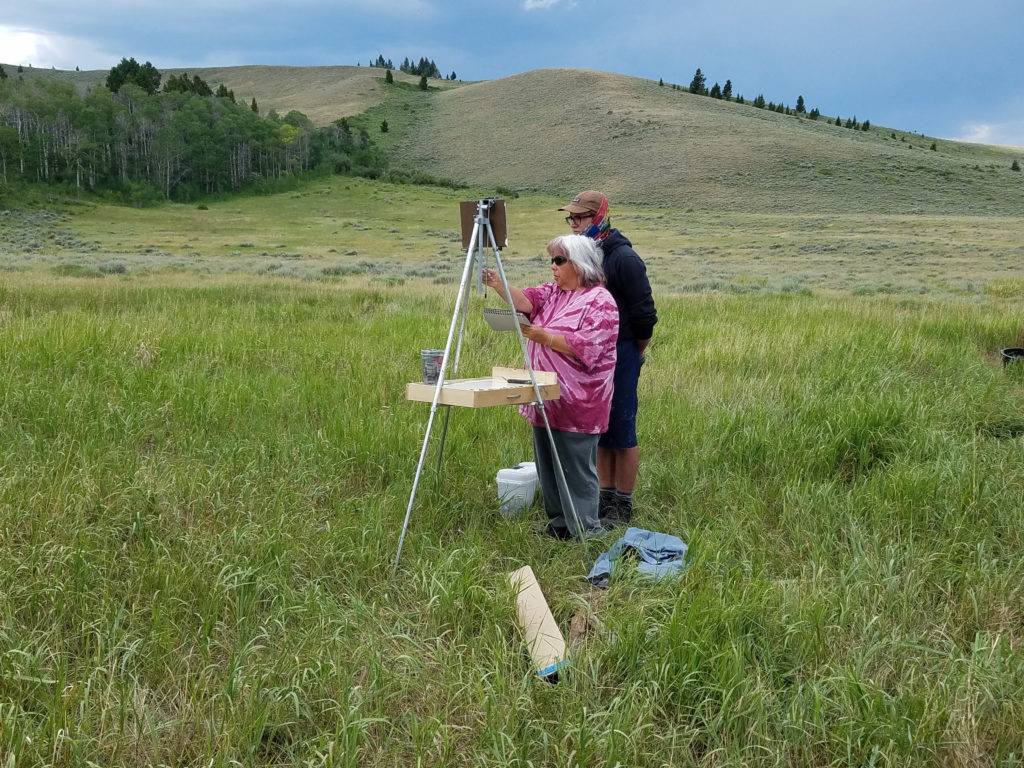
x,y
573,327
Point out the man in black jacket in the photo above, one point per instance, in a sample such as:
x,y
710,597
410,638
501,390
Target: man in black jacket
x,y
618,457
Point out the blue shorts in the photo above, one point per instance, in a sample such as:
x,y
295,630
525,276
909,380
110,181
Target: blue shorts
x,y
621,433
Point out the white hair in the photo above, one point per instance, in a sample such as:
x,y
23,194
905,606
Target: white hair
x,y
584,254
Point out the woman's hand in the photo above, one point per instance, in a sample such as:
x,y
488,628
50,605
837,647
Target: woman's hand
x,y
535,333
492,279
555,341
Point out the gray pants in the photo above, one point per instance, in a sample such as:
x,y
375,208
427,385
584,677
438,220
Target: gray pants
x,y
578,455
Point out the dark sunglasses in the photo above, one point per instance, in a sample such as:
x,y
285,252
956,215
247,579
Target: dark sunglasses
x,y
559,260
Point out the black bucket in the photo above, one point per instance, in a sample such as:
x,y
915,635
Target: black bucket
x,y
1010,354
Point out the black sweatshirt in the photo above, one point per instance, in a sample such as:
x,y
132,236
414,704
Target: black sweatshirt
x,y
626,276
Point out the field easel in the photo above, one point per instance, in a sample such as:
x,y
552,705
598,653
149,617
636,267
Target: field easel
x,y
481,236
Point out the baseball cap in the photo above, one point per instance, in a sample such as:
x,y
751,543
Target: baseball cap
x,y
586,202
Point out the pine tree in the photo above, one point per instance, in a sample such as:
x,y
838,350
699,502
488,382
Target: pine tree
x,y
697,84
146,76
384,126
1015,166
388,77
423,83
716,91
254,107
800,105
201,87
427,67
196,85
727,90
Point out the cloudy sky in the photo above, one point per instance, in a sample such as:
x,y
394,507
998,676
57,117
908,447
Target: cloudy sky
x,y
945,68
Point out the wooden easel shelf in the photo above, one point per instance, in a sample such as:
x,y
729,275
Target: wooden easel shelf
x,y
487,391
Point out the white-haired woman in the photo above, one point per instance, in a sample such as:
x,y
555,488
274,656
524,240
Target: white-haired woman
x,y
573,327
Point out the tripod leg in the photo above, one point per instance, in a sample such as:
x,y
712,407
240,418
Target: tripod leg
x,y
455,366
444,435
442,375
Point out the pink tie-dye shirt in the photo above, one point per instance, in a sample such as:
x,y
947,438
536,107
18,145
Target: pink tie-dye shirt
x,y
589,320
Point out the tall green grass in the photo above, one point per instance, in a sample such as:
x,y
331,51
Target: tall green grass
x,y
202,485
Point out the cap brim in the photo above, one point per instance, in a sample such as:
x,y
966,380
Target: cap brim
x,y
577,209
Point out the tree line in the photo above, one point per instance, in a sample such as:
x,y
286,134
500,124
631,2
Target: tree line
x,y
132,138
424,68
698,86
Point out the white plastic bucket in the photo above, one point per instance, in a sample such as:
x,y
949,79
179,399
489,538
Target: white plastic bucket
x,y
517,487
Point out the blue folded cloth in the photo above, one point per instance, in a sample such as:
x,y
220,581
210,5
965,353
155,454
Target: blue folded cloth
x,y
658,556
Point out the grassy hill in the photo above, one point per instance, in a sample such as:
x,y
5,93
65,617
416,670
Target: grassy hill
x,y
562,130
559,130
324,94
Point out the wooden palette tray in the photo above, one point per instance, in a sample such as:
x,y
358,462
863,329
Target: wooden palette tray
x,y
486,391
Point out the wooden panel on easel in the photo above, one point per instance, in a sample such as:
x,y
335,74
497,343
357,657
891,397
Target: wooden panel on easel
x,y
496,215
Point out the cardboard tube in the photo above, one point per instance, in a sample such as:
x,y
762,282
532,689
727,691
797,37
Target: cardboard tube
x,y
543,638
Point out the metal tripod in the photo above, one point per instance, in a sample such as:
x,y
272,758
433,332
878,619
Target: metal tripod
x,y
483,235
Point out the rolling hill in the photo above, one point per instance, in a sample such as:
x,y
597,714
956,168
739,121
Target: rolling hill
x,y
323,94
561,130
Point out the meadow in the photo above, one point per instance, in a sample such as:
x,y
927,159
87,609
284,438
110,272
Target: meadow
x,y
207,457
390,232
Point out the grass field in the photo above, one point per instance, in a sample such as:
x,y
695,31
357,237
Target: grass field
x,y
207,456
396,232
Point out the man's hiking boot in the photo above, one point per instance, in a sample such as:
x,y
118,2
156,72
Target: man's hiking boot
x,y
619,511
